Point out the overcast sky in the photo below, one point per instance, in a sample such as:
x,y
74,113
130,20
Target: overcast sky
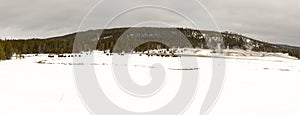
x,y
276,21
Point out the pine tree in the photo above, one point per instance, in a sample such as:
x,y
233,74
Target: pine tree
x,y
8,50
2,53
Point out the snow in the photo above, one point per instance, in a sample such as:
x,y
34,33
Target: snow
x,y
248,41
253,85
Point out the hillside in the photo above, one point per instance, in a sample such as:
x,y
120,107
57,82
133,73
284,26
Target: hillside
x,y
129,37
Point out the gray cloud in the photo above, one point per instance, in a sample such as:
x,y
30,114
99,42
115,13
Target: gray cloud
x,y
268,20
41,18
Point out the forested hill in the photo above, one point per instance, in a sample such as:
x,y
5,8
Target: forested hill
x,y
107,38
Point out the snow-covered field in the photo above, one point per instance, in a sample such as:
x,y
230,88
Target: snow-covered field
x,y
38,85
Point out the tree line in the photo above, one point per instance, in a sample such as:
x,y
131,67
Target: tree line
x,y
92,40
